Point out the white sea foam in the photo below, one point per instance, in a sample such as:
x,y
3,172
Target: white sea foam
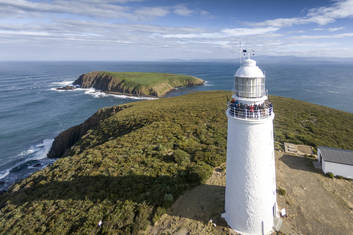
x,y
55,89
35,152
27,152
208,84
4,173
98,94
62,83
42,149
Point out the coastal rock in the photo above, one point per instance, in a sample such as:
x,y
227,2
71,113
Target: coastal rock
x,y
66,88
136,84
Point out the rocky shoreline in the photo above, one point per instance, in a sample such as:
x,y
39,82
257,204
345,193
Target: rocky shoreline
x,y
66,88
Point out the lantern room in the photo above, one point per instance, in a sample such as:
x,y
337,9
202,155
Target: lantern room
x,y
249,80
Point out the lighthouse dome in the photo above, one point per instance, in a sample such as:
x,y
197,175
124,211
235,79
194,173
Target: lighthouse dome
x,y
248,69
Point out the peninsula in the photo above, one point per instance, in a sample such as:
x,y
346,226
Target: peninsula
x,y
130,166
134,83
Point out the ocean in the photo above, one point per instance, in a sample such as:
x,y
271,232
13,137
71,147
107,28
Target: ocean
x,y
32,112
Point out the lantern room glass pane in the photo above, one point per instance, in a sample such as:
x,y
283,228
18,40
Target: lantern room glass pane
x,y
250,87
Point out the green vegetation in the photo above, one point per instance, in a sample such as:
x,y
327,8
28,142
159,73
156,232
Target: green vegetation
x,y
131,166
330,175
136,83
281,191
300,122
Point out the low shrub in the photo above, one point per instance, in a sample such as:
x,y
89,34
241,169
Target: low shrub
x,y
181,157
281,191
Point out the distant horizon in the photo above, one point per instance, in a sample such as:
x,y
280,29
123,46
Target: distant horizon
x,y
235,59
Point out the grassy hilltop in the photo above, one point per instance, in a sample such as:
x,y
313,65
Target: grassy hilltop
x,y
136,83
129,163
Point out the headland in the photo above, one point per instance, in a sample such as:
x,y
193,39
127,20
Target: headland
x,y
134,83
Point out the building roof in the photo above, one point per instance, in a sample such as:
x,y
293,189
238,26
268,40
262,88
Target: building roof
x,y
336,155
248,69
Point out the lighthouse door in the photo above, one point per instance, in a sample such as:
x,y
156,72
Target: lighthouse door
x,y
274,210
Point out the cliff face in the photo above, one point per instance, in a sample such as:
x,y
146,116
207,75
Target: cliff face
x,y
97,80
138,84
63,142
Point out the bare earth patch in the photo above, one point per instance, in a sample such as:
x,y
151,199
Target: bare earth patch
x,y
315,204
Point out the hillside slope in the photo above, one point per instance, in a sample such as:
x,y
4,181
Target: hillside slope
x,y
136,83
130,163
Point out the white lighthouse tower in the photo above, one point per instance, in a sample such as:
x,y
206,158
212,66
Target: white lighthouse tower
x,y
250,199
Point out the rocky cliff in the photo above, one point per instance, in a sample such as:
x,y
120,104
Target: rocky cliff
x,y
63,142
134,83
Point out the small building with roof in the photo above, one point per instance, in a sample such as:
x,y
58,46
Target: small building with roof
x,y
337,161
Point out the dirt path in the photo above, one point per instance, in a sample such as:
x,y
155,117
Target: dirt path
x,y
315,204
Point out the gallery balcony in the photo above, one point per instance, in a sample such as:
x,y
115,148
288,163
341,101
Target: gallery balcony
x,y
250,112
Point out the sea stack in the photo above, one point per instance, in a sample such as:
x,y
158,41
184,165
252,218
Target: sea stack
x,y
250,198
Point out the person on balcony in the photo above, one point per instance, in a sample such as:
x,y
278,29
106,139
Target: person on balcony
x,y
251,108
256,110
246,109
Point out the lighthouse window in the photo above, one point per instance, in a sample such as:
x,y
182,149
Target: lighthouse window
x,y
250,87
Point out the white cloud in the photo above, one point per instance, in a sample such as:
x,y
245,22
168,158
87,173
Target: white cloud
x,y
230,32
114,9
23,33
249,31
321,15
341,35
24,8
151,12
204,13
182,10
333,29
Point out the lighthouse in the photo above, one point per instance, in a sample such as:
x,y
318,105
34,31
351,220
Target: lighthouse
x,y
250,197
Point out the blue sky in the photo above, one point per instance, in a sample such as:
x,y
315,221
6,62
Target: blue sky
x,y
168,29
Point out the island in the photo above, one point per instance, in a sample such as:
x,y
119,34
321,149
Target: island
x,y
134,83
158,167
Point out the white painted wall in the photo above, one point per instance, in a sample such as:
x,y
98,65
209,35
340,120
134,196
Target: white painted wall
x,y
250,180
337,169
319,156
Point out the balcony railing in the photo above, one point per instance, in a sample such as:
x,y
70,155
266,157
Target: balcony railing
x,y
260,112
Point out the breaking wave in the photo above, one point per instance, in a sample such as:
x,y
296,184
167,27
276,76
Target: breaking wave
x,y
29,161
96,93
4,173
208,84
62,83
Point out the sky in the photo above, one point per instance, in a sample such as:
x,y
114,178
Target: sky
x,y
149,30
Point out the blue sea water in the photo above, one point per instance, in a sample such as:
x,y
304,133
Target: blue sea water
x,y
32,112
